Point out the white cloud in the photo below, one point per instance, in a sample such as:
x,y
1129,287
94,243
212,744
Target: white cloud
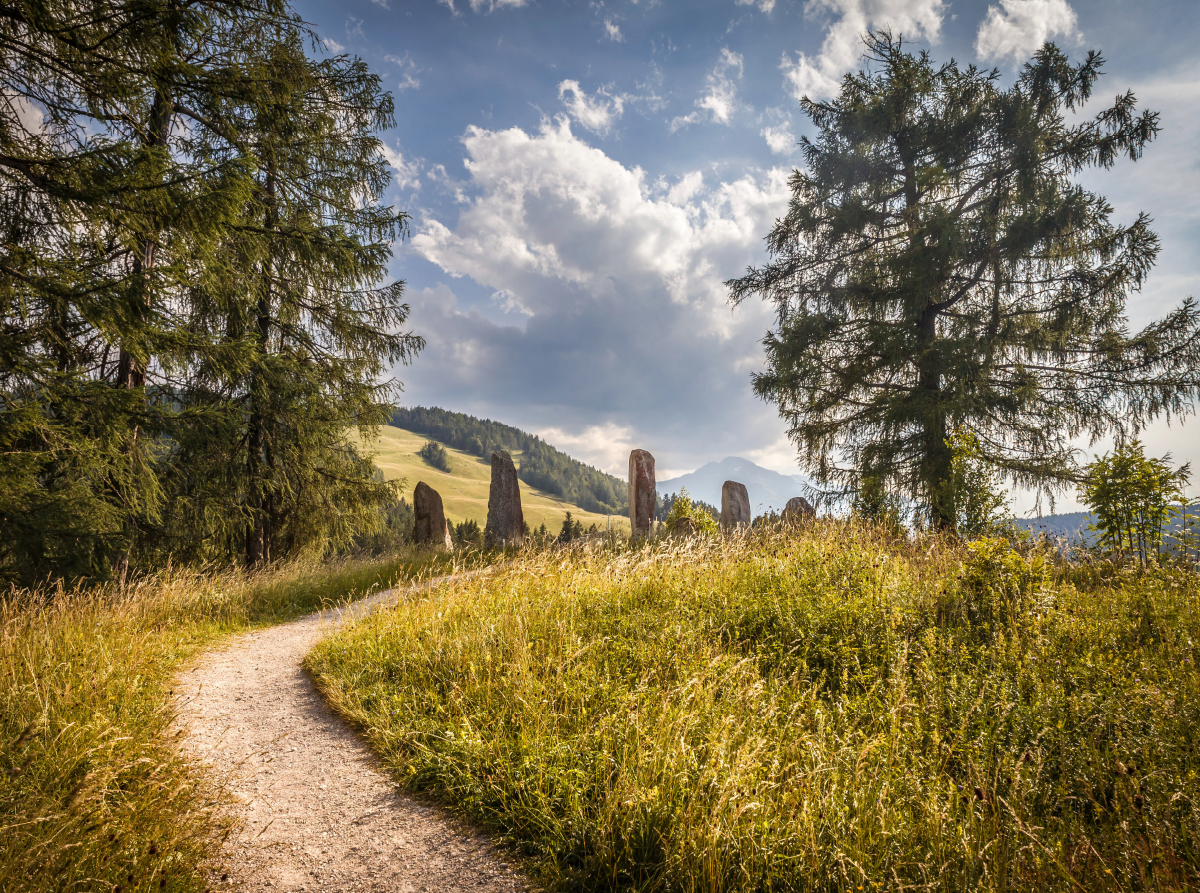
x,y
780,139
408,173
483,5
597,113
1018,28
764,5
720,100
408,71
332,45
618,281
28,115
613,31
380,3
819,76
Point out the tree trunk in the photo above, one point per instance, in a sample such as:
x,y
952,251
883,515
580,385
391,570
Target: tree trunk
x,y
258,541
935,468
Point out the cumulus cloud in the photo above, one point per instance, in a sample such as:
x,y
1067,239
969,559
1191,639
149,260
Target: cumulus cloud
x,y
612,30
780,139
764,5
819,76
597,113
1018,28
720,99
332,45
618,281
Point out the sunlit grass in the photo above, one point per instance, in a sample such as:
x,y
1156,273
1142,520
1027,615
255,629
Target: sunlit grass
x,y
94,794
824,710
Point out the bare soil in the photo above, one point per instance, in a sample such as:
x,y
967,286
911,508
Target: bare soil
x,y
314,809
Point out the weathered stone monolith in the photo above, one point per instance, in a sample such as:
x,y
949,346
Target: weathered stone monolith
x,y
505,521
735,506
642,494
683,527
431,527
798,509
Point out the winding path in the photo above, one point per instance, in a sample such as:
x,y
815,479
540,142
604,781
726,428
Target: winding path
x,y
317,811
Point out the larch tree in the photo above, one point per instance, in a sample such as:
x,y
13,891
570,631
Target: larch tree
x,y
939,270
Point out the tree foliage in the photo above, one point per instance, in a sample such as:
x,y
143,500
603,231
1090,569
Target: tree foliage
x,y
939,269
1132,496
189,285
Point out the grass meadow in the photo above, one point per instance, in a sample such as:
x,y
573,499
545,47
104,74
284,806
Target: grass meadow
x,y
823,710
94,793
464,490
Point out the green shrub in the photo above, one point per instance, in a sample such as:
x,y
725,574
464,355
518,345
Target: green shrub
x,y
435,455
1132,498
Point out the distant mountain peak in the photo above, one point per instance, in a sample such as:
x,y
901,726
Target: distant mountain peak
x,y
767,489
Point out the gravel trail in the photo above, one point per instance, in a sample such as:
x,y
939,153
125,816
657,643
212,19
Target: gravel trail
x,y
317,811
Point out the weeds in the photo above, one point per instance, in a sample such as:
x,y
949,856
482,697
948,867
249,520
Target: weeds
x,y
827,709
94,794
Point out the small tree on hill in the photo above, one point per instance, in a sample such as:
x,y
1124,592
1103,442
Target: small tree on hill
x,y
1133,497
938,269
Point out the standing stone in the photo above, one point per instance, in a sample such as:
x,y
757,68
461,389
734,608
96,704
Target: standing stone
x,y
735,506
683,527
642,493
431,528
798,509
505,520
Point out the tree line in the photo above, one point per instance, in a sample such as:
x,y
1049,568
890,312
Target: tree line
x,y
541,465
193,290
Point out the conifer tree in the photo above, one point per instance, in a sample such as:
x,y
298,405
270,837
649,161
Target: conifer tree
x,y
938,269
294,291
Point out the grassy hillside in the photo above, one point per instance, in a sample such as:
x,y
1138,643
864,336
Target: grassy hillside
x,y
542,466
464,490
823,710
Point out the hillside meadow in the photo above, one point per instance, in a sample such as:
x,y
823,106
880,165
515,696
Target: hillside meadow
x,y
828,709
464,490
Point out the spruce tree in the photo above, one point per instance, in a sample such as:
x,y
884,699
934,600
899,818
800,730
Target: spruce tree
x,y
939,270
295,292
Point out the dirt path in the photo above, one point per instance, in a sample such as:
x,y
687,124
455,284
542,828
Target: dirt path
x,y
317,811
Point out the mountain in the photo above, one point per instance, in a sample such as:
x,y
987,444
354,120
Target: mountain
x,y
1071,526
768,489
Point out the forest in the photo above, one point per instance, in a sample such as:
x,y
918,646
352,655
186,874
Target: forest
x,y
541,465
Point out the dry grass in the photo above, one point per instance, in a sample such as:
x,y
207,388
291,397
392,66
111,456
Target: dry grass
x,y
829,710
93,793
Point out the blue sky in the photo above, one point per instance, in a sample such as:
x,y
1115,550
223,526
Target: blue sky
x,y
582,176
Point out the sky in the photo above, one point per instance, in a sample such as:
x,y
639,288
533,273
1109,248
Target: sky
x,y
583,175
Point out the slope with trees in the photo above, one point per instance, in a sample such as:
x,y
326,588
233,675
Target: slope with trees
x,y
938,271
541,465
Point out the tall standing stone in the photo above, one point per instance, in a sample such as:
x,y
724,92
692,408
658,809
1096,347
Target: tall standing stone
x,y
735,506
798,509
431,527
642,493
505,520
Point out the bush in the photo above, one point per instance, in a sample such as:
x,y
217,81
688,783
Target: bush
x,y
682,506
468,534
435,455
1131,496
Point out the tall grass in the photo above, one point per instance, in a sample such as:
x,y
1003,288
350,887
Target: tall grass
x,y
829,710
94,793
